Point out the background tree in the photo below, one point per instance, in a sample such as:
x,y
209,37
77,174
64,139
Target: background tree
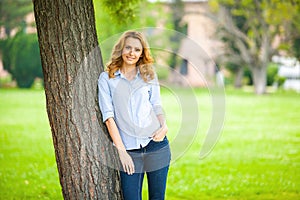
x,y
296,31
12,20
177,10
257,39
231,58
12,14
71,61
21,58
107,19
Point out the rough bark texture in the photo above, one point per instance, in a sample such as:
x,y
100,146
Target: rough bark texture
x,y
238,81
72,62
259,79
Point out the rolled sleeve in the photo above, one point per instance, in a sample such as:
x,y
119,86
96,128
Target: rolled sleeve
x,y
104,96
154,97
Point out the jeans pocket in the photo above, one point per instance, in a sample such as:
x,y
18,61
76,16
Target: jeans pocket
x,y
164,140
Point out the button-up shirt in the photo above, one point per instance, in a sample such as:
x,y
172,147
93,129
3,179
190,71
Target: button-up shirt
x,y
134,105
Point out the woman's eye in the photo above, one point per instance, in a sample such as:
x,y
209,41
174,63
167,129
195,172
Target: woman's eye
x,y
138,50
128,47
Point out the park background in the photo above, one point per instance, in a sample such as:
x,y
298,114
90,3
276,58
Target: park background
x,y
257,155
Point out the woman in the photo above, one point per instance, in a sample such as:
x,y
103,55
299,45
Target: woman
x,y
129,99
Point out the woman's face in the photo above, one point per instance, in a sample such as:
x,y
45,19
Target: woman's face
x,y
132,51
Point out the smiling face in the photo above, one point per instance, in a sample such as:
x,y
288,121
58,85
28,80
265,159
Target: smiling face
x,y
131,52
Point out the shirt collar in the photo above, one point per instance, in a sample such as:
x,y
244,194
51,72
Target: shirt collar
x,y
118,72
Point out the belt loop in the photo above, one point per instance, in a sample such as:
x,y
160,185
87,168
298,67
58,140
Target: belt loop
x,y
143,149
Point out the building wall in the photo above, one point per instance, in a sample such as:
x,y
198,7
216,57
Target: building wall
x,y
199,48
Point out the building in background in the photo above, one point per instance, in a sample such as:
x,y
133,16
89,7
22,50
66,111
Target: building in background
x,y
200,49
289,68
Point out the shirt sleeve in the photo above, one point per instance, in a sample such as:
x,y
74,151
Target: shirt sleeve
x,y
104,97
154,96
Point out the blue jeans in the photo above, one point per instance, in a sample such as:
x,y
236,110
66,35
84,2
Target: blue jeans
x,y
154,159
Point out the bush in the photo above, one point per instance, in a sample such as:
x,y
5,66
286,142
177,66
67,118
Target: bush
x,y
22,58
272,72
279,80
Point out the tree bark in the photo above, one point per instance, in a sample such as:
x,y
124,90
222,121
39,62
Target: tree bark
x,y
259,79
71,61
238,79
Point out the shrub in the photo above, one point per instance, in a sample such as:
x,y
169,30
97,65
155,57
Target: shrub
x,y
272,72
22,59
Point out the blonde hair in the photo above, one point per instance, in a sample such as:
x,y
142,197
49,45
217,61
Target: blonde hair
x,y
144,63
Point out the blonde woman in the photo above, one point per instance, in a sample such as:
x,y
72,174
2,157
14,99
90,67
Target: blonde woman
x,y
129,99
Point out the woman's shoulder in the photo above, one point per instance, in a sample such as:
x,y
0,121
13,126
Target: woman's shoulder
x,y
104,76
154,79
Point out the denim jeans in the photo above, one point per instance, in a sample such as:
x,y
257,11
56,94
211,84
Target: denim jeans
x,y
154,159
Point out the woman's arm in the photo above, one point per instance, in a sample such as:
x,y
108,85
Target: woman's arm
x,y
160,134
157,107
114,133
107,110
126,160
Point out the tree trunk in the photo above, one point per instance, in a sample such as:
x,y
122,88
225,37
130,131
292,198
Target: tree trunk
x,y
259,75
238,80
71,61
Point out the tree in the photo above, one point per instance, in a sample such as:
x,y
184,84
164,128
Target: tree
x,y
295,30
177,10
12,14
108,19
256,39
21,58
71,61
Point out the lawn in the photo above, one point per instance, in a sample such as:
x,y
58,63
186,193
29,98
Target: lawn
x,y
256,157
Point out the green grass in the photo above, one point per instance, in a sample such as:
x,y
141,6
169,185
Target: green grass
x,y
28,168
256,157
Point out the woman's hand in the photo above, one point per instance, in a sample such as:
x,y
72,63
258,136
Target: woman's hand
x,y
160,134
126,161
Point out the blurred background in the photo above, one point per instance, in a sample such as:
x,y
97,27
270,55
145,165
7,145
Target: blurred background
x,y
250,43
251,48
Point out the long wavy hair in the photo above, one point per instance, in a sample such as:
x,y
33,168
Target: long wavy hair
x,y
145,63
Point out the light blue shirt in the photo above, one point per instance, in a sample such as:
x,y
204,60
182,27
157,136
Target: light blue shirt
x,y
134,105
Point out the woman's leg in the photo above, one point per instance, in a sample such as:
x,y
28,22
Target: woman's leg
x,y
157,181
156,164
132,185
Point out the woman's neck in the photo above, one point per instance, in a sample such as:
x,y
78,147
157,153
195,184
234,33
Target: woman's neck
x,y
129,71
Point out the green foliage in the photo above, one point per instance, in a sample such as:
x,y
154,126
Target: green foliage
x,y
177,7
250,30
108,25
12,13
296,32
272,72
296,47
279,80
21,58
232,67
108,30
266,16
248,76
122,12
